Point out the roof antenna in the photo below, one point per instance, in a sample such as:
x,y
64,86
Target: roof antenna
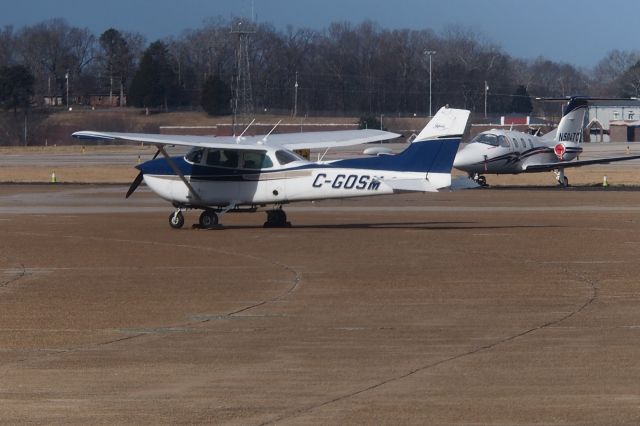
x,y
264,139
244,131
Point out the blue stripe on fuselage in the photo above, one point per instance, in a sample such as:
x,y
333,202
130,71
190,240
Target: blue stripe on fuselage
x,y
434,156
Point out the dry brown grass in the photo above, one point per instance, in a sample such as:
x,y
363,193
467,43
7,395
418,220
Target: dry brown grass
x,y
69,174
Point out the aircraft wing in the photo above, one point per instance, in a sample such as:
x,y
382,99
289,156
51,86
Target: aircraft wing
x,y
578,163
290,141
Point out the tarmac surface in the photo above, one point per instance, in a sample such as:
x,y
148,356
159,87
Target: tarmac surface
x,y
499,306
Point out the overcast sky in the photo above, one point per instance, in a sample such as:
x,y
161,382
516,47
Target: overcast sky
x,y
579,32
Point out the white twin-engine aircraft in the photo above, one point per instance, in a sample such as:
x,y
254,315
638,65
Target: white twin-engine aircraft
x,y
511,152
223,174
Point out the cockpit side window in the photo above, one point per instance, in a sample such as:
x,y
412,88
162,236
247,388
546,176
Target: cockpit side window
x,y
222,158
502,141
286,157
195,155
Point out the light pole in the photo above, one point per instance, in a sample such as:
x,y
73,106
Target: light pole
x,y
295,102
430,53
486,90
66,76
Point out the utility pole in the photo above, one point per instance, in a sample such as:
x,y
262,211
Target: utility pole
x,y
430,53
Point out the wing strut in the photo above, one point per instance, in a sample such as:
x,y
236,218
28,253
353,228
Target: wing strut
x,y
177,171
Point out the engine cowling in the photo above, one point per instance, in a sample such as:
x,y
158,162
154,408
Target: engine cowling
x,y
561,151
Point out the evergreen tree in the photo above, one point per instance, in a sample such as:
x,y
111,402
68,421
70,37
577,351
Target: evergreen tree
x,y
521,103
216,96
16,87
155,84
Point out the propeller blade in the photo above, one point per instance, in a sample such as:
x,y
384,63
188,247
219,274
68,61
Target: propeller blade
x,y
134,185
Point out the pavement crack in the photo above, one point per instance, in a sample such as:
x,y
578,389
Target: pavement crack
x,y
593,285
22,272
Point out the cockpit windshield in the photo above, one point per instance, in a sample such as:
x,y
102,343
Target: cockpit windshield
x,y
491,139
195,155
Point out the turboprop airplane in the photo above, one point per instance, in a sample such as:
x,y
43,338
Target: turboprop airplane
x,y
228,174
510,152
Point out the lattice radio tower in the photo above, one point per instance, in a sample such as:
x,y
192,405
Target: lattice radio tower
x,y
243,102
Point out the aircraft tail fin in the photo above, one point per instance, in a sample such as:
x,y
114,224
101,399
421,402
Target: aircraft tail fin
x,y
572,122
447,122
433,151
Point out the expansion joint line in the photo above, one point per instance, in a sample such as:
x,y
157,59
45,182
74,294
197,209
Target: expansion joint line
x,y
581,276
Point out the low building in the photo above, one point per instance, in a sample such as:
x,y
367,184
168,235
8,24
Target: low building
x,y
106,100
624,131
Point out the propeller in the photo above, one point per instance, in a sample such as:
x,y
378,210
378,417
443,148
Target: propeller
x,y
138,180
134,185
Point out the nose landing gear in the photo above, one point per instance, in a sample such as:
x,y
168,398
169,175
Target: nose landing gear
x,y
479,179
176,219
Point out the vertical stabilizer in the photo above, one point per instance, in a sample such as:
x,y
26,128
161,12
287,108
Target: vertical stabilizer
x,y
572,123
447,122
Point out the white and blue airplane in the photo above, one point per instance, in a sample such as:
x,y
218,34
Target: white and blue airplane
x,y
227,174
499,151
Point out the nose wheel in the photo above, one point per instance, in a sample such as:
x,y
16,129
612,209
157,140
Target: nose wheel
x,y
176,219
479,179
276,218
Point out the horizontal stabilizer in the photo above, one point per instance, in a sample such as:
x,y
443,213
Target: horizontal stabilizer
x,y
463,182
410,185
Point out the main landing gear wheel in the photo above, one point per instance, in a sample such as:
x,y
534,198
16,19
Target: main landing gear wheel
x,y
176,220
276,219
482,181
208,219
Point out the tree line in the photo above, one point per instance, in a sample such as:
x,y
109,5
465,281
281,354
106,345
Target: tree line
x,y
344,69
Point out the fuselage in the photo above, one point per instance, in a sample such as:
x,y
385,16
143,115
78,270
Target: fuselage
x,y
510,152
268,175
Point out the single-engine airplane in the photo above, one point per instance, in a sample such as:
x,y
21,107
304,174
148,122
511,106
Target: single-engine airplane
x,y
247,173
510,152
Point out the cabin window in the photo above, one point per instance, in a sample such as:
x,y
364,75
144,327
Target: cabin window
x,y
524,143
256,160
515,143
195,155
286,157
222,158
530,144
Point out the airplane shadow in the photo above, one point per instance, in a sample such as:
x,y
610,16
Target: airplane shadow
x,y
416,226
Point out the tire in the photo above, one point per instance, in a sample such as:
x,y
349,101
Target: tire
x,y
208,219
276,218
176,220
482,181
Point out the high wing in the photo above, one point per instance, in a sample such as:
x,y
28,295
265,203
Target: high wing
x,y
579,163
289,141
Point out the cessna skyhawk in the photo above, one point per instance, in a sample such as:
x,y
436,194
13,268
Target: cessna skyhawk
x,y
226,174
510,152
